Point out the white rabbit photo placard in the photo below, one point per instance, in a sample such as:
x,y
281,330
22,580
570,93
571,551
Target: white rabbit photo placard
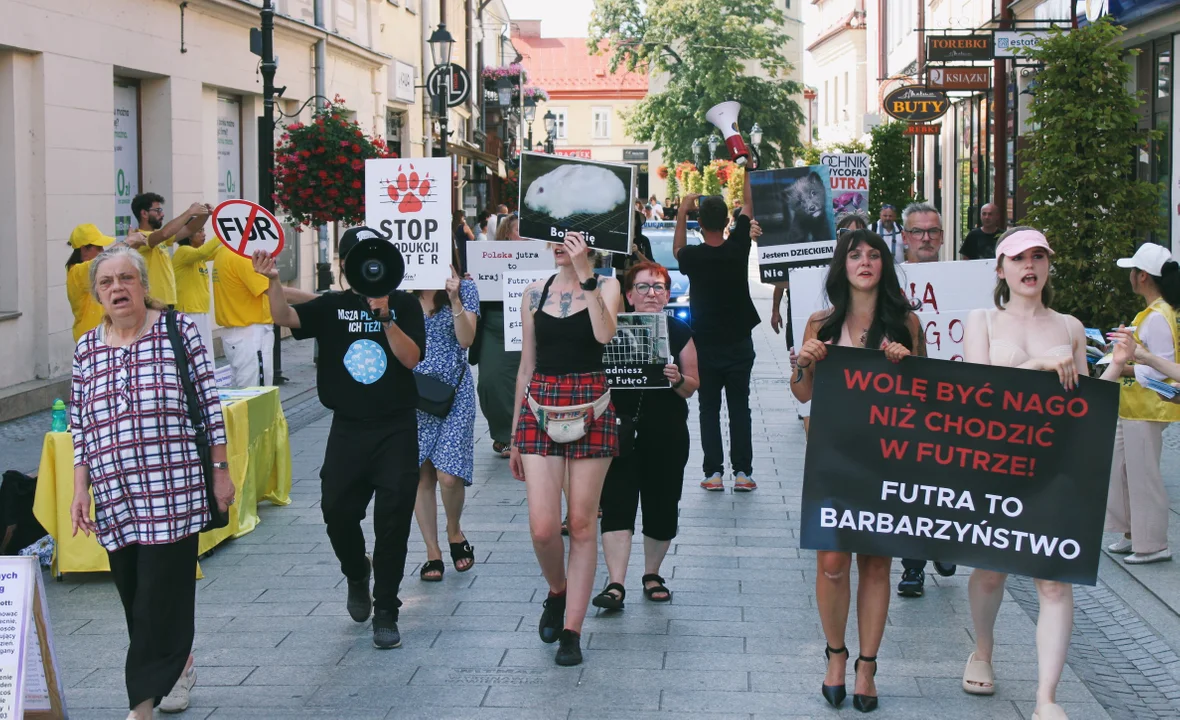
x,y
408,201
562,194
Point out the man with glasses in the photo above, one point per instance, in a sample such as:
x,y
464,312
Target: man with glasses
x,y
153,235
890,231
922,230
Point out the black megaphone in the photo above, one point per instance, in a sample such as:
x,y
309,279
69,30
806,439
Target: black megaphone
x,y
374,267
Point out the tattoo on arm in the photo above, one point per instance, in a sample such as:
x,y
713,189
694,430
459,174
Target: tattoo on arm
x,y
567,299
534,298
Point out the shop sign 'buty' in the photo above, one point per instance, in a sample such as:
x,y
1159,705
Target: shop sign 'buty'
x,y
990,467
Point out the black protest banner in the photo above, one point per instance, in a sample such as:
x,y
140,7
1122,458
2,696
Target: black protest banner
x,y
984,466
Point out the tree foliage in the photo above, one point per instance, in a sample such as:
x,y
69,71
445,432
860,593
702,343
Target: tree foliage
x,y
1078,169
712,181
673,188
891,170
707,52
734,189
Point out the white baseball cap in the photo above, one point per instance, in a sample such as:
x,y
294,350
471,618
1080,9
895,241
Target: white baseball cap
x,y
1149,258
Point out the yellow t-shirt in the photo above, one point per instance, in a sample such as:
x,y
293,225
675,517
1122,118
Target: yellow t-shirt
x,y
87,312
161,278
192,276
239,293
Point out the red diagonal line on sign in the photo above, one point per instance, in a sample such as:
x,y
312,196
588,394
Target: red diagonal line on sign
x,y
249,228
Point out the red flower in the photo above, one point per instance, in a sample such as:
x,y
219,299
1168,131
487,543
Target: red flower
x,y
341,159
344,143
323,174
356,148
350,201
358,165
333,193
356,184
319,150
302,168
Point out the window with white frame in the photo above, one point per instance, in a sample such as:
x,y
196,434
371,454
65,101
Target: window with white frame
x,y
601,116
560,131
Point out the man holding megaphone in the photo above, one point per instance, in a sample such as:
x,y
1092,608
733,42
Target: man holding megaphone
x,y
369,344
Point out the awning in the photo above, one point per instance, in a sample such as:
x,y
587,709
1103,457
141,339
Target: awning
x,y
493,163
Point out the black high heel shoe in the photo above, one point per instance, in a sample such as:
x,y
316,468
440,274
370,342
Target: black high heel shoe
x,y
834,694
865,703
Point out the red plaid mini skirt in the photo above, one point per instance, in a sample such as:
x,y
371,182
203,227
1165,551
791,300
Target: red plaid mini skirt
x,y
602,437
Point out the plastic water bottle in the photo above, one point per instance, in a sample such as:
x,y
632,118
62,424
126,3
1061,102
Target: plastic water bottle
x,y
59,416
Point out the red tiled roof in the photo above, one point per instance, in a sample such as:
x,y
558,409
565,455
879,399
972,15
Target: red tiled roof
x,y
566,69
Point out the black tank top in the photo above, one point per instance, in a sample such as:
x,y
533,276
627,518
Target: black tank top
x,y
565,345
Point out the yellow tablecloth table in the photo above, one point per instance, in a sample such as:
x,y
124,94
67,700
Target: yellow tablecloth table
x,y
259,464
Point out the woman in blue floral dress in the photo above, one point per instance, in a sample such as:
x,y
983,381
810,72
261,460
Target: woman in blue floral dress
x,y
445,445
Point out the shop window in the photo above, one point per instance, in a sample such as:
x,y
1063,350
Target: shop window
x,y
128,152
229,148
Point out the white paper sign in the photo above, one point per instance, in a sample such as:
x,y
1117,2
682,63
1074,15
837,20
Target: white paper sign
x,y
126,156
487,260
948,291
408,201
513,291
229,149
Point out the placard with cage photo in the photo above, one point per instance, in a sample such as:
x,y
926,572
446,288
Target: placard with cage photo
x,y
635,357
595,198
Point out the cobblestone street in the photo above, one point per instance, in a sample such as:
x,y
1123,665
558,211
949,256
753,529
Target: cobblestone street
x,y
740,639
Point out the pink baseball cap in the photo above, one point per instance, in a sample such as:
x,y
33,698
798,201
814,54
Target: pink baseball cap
x,y
1020,241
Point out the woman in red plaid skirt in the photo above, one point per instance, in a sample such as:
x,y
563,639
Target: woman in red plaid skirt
x,y
566,322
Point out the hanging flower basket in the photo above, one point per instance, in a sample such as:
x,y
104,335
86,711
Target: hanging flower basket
x,y
514,73
662,172
682,168
319,169
536,93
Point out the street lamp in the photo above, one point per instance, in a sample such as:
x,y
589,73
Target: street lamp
x,y
696,150
714,143
504,92
442,44
756,141
550,130
530,114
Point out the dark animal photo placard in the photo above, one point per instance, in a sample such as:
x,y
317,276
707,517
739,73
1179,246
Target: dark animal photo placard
x,y
560,194
635,357
794,208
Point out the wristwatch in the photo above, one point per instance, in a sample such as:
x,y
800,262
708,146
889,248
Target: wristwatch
x,y
590,283
221,466
676,385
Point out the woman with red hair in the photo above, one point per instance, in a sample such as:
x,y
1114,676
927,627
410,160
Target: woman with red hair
x,y
653,451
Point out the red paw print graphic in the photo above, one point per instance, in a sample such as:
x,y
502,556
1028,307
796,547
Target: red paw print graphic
x,y
409,190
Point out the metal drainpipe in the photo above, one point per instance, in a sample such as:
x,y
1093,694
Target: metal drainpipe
x,y
1000,110
324,266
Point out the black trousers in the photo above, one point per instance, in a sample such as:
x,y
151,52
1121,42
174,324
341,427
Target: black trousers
x,y
726,367
366,460
158,587
654,472
913,564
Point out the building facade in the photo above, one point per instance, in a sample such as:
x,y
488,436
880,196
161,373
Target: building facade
x,y
183,89
588,102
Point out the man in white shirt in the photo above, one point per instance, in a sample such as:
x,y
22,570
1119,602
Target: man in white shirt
x,y
890,231
1138,502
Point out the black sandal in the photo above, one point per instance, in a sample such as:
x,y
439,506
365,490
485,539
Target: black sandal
x,y
607,600
659,588
462,551
432,566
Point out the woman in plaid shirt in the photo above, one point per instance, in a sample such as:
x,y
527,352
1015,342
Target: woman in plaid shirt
x,y
134,447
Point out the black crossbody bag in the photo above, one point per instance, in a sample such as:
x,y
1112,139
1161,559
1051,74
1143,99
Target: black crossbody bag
x,y
217,518
435,396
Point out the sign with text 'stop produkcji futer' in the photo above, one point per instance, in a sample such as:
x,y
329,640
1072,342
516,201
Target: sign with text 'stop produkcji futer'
x,y
992,467
408,201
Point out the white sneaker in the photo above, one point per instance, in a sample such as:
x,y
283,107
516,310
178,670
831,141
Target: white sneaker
x,y
177,700
1122,547
1145,558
